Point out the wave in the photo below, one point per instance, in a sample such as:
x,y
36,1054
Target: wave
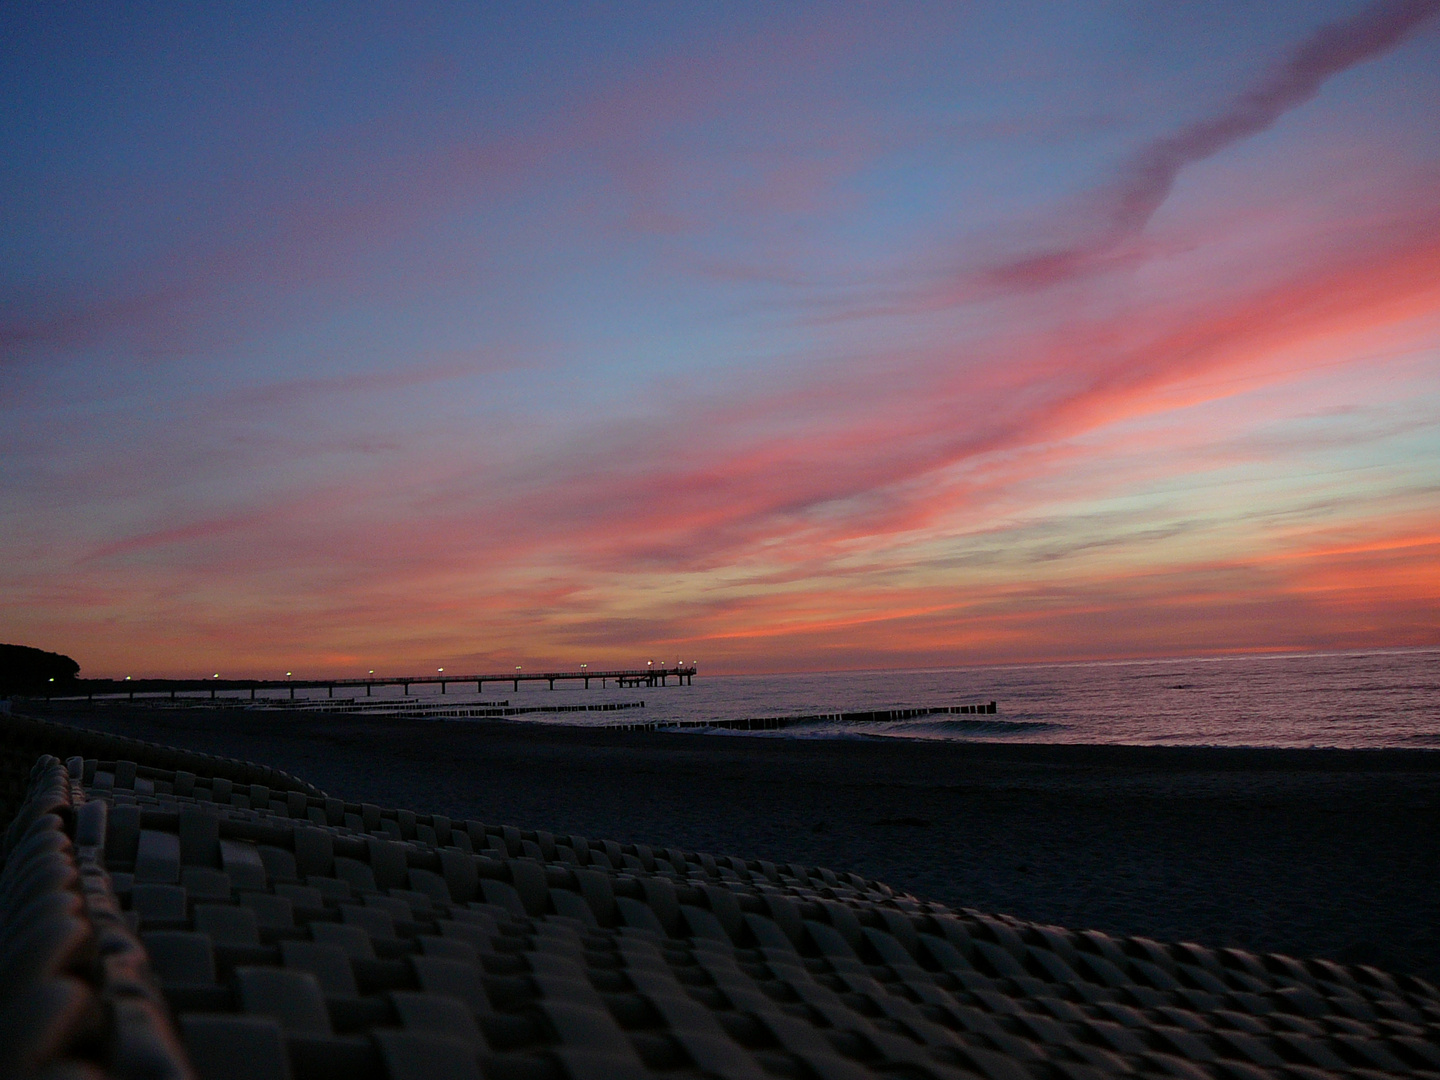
x,y
1420,738
978,728
928,728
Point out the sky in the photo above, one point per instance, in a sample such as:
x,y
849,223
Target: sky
x,y
772,336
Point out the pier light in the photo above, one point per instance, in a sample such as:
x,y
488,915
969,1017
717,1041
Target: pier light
x,y
287,674
372,671
52,678
127,678
441,670
216,675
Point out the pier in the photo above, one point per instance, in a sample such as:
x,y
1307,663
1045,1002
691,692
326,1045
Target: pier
x,y
90,689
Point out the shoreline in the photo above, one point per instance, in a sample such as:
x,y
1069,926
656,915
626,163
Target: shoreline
x,y
1306,851
771,728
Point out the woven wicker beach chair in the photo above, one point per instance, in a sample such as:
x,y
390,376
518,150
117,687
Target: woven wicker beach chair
x,y
169,917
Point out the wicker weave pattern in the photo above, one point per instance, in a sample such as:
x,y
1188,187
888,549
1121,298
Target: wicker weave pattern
x,y
77,996
300,936
25,738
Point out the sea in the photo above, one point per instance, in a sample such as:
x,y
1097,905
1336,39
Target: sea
x,y
1377,698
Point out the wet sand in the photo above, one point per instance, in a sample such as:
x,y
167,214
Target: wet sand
x,y
1308,852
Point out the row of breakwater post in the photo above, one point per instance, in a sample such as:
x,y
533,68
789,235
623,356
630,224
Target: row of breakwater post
x,y
774,723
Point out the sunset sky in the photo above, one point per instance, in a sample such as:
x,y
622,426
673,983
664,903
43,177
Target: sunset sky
x,y
777,336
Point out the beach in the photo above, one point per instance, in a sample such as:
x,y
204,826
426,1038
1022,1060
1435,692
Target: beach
x,y
1308,852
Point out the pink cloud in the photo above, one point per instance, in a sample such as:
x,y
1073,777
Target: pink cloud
x,y
790,503
779,520
1111,220
726,484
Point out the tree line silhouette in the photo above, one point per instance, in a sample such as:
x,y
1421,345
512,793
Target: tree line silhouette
x,y
27,670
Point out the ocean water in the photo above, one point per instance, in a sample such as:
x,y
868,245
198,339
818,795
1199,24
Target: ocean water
x,y
1358,699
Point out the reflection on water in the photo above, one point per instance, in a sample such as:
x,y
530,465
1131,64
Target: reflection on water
x,y
1371,699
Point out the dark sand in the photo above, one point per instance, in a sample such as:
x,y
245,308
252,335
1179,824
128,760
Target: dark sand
x,y
1307,852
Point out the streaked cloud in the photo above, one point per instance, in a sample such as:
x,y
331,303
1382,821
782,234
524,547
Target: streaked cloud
x,y
785,343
